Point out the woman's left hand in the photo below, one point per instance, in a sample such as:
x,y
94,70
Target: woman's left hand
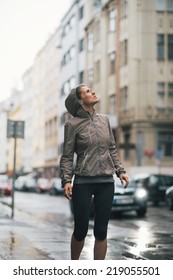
x,y
123,177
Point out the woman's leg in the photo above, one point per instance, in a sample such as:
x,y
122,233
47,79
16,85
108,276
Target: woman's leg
x,y
76,248
81,198
103,203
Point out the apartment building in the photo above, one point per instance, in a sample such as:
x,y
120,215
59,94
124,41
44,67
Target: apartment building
x,y
52,105
45,114
72,56
129,62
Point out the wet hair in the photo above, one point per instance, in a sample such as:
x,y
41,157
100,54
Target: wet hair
x,y
78,91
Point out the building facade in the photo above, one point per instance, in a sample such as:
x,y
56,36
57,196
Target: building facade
x,y
130,65
73,53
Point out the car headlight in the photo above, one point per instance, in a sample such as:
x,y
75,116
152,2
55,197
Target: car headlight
x,y
141,193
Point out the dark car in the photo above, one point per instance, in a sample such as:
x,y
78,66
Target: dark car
x,y
155,184
55,186
169,197
5,186
132,198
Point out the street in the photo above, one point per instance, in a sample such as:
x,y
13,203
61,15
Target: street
x,y
42,227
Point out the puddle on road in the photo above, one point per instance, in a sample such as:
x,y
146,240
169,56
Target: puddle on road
x,y
14,246
155,246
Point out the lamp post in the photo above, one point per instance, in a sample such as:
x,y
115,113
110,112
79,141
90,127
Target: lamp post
x,y
15,129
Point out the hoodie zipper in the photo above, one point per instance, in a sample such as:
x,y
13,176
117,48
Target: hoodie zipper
x,y
98,144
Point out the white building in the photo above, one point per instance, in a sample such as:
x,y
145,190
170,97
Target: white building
x,y
73,55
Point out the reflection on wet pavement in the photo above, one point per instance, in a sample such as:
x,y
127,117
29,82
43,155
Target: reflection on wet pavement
x,y
42,231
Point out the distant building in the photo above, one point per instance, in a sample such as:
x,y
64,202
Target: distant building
x,y
45,90
72,48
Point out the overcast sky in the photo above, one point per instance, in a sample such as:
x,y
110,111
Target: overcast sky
x,y
25,26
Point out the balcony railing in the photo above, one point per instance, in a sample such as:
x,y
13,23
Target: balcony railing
x,y
149,113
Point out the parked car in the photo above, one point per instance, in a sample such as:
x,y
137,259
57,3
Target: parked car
x,y
42,185
55,187
5,186
169,197
155,184
132,198
25,183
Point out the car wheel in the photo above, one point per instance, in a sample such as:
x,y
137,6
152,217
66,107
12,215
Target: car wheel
x,y
141,212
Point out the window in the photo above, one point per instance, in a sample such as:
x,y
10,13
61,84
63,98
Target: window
x,y
81,12
165,142
72,82
69,25
69,55
170,89
72,22
97,4
160,46
169,5
164,5
124,97
170,46
112,104
112,63
124,8
112,20
72,52
126,142
160,5
81,77
170,95
90,41
160,95
68,85
65,117
81,45
124,52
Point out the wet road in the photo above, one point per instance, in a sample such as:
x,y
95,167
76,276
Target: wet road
x,y
42,226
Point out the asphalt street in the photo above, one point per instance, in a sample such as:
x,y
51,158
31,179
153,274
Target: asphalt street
x,y
42,226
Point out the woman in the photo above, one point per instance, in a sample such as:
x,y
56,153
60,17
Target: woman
x,y
90,137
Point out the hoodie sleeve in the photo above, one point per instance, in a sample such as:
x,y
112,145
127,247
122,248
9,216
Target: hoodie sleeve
x,y
66,161
114,154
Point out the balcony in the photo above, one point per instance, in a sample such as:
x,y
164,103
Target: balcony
x,y
148,113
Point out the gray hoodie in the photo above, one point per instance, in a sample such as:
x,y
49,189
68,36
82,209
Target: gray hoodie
x,y
91,138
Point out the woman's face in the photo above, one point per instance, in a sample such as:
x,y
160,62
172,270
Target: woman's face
x,y
88,96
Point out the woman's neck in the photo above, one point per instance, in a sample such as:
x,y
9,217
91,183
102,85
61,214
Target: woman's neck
x,y
89,109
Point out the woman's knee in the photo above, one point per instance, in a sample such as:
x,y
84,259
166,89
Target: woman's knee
x,y
79,235
100,234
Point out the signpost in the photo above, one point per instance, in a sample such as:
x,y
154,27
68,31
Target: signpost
x,y
15,129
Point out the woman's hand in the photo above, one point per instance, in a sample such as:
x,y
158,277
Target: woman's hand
x,y
68,191
123,177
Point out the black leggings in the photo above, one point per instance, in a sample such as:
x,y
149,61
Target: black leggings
x,y
81,197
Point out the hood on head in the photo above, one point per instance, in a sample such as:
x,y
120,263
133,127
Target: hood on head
x,y
72,103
